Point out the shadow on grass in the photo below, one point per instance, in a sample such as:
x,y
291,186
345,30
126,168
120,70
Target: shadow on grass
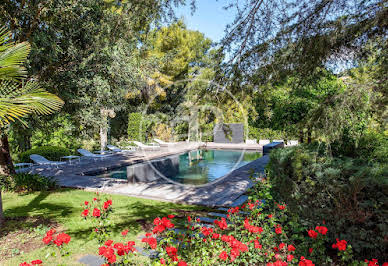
x,y
43,211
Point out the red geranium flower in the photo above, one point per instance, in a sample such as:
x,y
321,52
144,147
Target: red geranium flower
x,y
170,216
312,234
310,250
278,229
341,245
85,213
24,264
223,255
125,232
96,212
36,262
257,244
108,243
47,239
86,202
290,257
182,263
162,261
50,232
321,229
291,248
305,262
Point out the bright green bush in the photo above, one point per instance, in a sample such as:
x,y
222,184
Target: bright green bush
x,y
27,182
348,194
49,152
266,133
135,126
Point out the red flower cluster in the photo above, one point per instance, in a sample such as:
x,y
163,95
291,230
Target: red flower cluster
x,y
251,228
107,204
234,210
151,241
96,211
277,263
236,246
34,262
312,234
62,238
291,248
321,229
58,240
278,229
305,262
161,225
372,262
281,207
206,231
221,224
172,252
223,255
109,252
341,245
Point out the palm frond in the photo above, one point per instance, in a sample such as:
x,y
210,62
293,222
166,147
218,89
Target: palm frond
x,y
12,56
22,100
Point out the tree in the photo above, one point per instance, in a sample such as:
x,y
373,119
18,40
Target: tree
x,y
18,97
276,37
87,52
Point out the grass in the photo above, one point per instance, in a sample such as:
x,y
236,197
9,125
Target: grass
x,y
28,216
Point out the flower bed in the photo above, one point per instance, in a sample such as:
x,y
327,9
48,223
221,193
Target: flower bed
x,y
253,234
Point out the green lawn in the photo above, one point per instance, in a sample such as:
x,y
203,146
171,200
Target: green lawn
x,y
30,215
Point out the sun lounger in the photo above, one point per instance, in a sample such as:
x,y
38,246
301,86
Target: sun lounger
x,y
163,143
38,159
145,147
264,142
118,150
87,153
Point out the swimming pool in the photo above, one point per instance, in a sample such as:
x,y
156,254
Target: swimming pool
x,y
195,167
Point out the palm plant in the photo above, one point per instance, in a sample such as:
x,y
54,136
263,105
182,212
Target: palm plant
x,y
18,96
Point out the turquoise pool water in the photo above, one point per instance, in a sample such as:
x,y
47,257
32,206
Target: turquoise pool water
x,y
194,167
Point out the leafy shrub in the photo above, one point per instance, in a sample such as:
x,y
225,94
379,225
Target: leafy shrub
x,y
27,182
50,152
163,132
134,127
348,194
266,133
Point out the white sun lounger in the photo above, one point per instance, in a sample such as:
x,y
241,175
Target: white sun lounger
x,y
146,147
163,143
38,159
118,150
264,142
87,153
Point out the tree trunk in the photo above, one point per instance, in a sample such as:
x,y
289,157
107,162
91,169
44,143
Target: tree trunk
x,y
309,136
1,209
301,136
6,165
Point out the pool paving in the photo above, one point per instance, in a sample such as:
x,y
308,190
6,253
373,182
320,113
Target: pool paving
x,y
226,191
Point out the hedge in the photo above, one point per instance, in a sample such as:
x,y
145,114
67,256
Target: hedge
x,y
53,153
348,194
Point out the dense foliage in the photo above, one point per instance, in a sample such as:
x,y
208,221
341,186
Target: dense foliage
x,y
53,153
135,127
24,182
349,194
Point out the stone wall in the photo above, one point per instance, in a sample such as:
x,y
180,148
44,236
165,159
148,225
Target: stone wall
x,y
228,133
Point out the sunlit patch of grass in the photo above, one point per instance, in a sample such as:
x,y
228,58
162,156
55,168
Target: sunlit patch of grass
x,y
62,209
